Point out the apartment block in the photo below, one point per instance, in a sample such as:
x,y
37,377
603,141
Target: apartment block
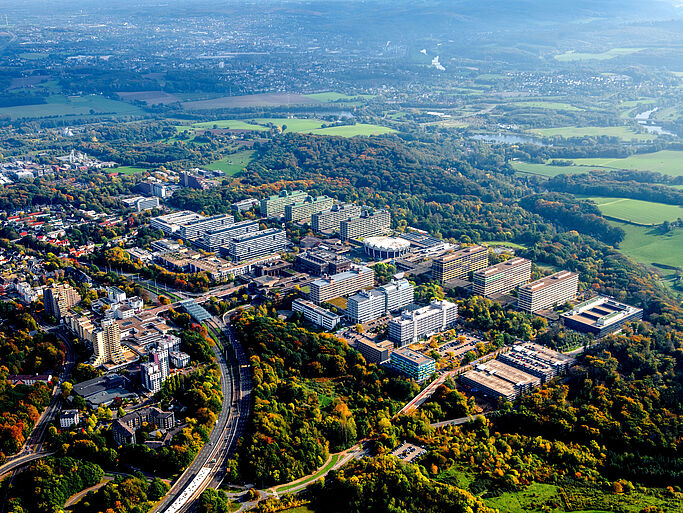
x,y
329,220
321,262
274,206
423,322
213,239
257,244
107,344
503,277
369,224
548,292
316,314
459,264
412,364
342,284
306,208
368,305
58,298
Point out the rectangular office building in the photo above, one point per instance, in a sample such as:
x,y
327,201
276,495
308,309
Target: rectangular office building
x,y
537,360
422,322
368,305
197,228
503,277
306,208
214,239
256,244
316,314
601,316
499,380
170,223
548,292
375,352
342,284
329,220
412,364
320,262
369,224
459,264
274,206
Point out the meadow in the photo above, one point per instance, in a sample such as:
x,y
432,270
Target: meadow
x,y
232,164
546,105
59,105
571,55
547,169
650,246
637,211
129,170
307,126
332,96
622,132
668,162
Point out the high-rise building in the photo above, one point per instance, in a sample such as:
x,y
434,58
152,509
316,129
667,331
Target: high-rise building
x,y
412,364
548,292
503,277
107,344
256,244
151,376
342,284
320,262
306,208
170,223
368,305
160,356
58,298
423,322
329,220
369,224
194,229
212,240
459,264
274,206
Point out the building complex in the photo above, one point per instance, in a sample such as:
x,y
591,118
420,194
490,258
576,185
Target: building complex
x,y
316,314
412,364
601,316
329,220
547,292
503,277
274,206
369,224
372,304
459,264
419,323
341,284
307,207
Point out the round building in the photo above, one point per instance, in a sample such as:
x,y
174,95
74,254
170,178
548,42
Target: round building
x,y
382,248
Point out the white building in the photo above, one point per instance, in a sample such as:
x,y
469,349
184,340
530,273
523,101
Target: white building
x,y
179,359
68,418
422,322
368,305
316,314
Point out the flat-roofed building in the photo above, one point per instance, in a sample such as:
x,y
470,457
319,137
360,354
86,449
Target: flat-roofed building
x,y
316,314
537,360
547,292
329,220
601,316
368,305
320,262
369,224
307,207
375,352
412,364
212,240
197,228
141,203
170,223
58,298
502,277
342,284
274,206
499,380
416,324
256,244
459,264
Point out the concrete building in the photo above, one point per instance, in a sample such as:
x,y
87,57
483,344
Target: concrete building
x,y
192,230
212,240
547,292
369,224
245,204
375,352
104,390
124,428
306,208
179,359
151,376
423,322
170,223
342,284
107,344
503,277
316,314
141,203
601,316
68,418
498,379
274,206
412,364
256,244
383,248
459,264
368,305
329,220
320,262
58,298
115,295
537,360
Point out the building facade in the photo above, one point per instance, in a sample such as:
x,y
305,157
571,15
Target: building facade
x,y
503,277
197,228
274,206
107,344
412,364
58,298
369,224
315,314
342,284
459,264
321,262
256,244
306,208
547,292
412,326
368,305
329,220
212,240
601,316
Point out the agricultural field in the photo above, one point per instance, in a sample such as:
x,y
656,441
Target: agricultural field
x,y
650,246
307,126
150,97
251,100
354,130
667,162
546,105
332,96
59,105
548,170
571,55
232,164
637,211
622,132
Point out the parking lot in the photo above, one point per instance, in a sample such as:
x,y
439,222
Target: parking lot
x,y
459,347
408,452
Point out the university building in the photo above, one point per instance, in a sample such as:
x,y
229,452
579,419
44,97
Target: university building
x,y
547,292
459,264
369,224
503,277
412,364
306,208
316,314
368,305
256,244
274,206
420,323
342,284
329,220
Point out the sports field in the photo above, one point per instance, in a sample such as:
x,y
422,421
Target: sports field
x,y
622,132
129,170
669,162
649,246
59,105
233,163
571,55
637,211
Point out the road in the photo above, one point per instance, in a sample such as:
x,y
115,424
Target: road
x,y
457,422
208,468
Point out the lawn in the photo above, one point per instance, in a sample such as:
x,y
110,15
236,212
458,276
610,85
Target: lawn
x,y
332,96
571,55
59,105
637,211
668,162
232,164
129,170
313,477
649,246
545,105
503,243
547,169
232,124
354,130
622,132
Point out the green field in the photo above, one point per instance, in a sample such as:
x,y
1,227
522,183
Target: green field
x,y
571,55
546,105
314,477
668,162
129,170
622,132
354,130
332,96
232,124
503,243
233,163
636,211
59,105
547,169
648,246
